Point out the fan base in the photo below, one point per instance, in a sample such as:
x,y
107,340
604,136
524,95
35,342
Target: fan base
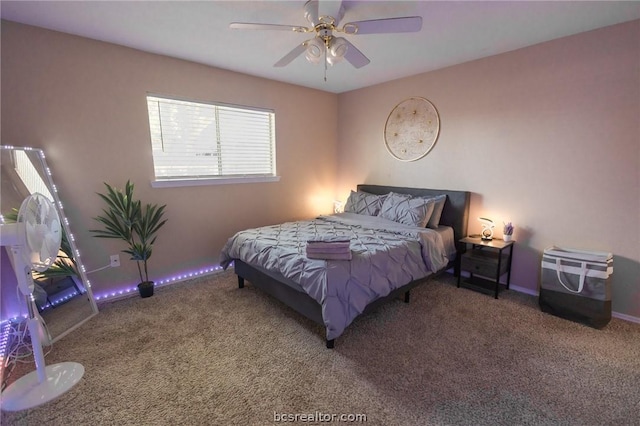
x,y
27,392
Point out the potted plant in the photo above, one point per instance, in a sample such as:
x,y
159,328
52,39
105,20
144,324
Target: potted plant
x,y
507,232
126,219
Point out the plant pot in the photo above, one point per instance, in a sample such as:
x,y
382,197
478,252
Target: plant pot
x,y
146,289
507,237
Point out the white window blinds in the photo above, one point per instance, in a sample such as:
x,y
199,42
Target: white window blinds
x,y
192,140
30,176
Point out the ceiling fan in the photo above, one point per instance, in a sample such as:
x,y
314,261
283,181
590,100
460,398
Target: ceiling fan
x,y
324,44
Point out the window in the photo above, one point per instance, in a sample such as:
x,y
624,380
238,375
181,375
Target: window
x,y
195,143
29,175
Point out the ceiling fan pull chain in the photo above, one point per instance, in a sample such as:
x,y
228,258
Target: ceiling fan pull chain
x,y
325,64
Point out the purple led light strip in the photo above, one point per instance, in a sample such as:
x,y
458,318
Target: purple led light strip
x,y
177,278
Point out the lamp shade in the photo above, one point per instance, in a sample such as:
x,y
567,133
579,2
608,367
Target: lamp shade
x,y
337,50
315,49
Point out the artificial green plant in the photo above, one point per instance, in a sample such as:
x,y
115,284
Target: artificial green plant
x,y
128,220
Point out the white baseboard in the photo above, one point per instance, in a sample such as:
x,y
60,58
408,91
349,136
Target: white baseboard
x,y
614,314
119,296
625,317
523,290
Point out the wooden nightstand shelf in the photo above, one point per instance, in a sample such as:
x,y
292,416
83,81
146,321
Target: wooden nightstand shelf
x,y
487,259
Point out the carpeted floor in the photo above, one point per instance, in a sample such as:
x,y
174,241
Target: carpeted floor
x,y
207,353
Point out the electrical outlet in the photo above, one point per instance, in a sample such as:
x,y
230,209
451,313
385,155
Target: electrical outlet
x,y
115,260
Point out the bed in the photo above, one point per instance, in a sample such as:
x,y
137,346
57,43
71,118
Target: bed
x,y
392,250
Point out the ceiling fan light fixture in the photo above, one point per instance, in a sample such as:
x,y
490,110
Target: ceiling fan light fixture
x,y
332,60
337,50
315,50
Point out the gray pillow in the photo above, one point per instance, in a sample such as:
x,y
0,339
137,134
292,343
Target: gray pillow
x,y
434,220
403,208
364,203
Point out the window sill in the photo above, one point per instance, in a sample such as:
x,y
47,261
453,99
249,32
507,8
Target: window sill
x,y
173,183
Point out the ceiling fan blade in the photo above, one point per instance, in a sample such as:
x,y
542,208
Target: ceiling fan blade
x,y
354,56
333,8
409,24
286,59
251,26
311,12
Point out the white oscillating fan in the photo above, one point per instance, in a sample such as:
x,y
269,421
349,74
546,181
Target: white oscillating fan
x,y
34,241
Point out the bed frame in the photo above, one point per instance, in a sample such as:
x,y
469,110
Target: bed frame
x,y
455,214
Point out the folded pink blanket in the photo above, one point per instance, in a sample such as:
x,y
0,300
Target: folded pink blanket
x,y
329,239
331,250
341,245
330,256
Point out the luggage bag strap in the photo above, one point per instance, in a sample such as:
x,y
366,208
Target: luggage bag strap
x,y
583,273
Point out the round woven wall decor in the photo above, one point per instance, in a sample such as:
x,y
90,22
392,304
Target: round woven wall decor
x,y
412,129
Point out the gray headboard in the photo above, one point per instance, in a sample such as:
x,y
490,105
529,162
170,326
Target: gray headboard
x,y
456,208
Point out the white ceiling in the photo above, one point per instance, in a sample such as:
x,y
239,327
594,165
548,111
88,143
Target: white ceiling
x,y
452,32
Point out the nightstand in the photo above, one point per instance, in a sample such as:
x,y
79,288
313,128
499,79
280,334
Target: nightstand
x,y
489,259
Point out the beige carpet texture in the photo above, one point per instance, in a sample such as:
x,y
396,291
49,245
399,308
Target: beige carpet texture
x,y
204,352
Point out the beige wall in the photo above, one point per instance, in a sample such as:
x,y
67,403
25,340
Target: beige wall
x,y
547,137
83,102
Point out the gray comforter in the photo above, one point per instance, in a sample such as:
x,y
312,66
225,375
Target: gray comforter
x,y
385,255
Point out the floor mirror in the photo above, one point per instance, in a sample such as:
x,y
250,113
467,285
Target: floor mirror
x,y
63,293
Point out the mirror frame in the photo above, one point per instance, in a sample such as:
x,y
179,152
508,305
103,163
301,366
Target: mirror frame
x,y
67,229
